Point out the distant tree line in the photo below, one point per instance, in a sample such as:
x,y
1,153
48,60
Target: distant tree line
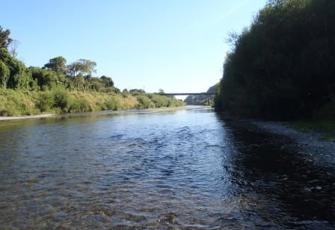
x,y
56,73
283,65
62,88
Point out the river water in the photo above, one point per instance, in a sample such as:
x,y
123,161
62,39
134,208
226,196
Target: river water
x,y
186,169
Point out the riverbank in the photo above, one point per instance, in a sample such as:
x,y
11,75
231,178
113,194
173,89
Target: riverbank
x,y
48,115
311,143
98,113
18,103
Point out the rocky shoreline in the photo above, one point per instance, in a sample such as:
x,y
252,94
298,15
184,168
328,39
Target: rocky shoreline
x,y
322,152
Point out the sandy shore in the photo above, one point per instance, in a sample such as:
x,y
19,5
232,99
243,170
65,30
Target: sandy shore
x,y
27,117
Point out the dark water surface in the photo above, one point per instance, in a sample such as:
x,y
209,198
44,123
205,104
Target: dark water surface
x,y
186,169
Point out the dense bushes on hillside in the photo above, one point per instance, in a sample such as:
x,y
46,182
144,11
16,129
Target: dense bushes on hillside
x,y
283,66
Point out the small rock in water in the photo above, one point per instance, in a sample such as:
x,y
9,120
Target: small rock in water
x,y
318,187
307,189
313,181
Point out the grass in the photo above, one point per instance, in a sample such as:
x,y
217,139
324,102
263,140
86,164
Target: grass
x,y
325,127
23,102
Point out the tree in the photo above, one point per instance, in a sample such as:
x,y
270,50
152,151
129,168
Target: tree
x,y
13,48
57,64
46,79
4,74
282,66
5,40
83,67
107,81
137,91
16,67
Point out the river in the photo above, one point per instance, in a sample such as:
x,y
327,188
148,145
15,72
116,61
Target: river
x,y
185,169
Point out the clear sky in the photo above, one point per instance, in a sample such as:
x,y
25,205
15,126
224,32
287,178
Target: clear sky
x,y
176,45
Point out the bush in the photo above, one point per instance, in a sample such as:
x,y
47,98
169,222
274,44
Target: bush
x,y
144,102
327,111
45,101
62,100
80,105
112,104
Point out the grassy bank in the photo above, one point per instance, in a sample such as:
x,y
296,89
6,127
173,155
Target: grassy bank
x,y
25,102
325,127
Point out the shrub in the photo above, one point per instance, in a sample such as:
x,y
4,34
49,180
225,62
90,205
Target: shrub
x,y
45,101
62,100
144,102
112,103
80,105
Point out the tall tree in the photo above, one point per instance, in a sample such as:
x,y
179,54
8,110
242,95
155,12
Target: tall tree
x,y
5,40
57,64
107,81
282,66
83,67
4,74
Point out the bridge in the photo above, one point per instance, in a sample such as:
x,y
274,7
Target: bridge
x,y
187,94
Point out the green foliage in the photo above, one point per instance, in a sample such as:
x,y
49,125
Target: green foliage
x,y
159,100
144,102
15,75
82,67
324,126
80,105
14,102
57,64
282,67
62,100
108,82
113,104
327,111
4,74
45,101
25,91
46,79
23,102
18,76
136,91
5,40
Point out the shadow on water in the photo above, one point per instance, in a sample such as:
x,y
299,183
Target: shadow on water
x,y
301,193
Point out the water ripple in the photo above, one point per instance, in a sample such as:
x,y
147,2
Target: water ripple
x,y
178,170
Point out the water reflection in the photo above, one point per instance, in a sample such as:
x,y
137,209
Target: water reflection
x,y
185,169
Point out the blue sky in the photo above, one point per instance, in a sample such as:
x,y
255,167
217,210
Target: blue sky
x,y
176,45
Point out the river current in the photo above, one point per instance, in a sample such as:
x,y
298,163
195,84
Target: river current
x,y
183,169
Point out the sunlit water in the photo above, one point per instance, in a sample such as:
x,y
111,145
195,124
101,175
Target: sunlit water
x,y
187,169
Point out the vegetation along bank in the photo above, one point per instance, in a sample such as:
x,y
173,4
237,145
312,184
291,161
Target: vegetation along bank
x,y
59,87
283,66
